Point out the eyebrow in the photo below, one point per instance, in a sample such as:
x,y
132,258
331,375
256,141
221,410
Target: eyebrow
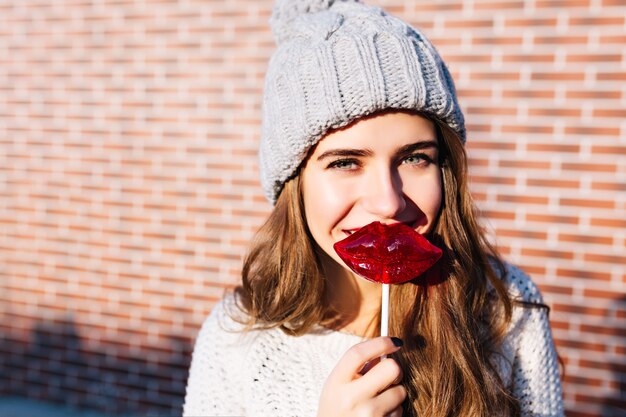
x,y
345,152
418,146
368,152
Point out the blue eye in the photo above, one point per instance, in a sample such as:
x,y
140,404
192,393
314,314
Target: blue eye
x,y
418,159
344,164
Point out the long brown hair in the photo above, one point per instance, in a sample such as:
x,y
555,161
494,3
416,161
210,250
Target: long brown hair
x,y
452,328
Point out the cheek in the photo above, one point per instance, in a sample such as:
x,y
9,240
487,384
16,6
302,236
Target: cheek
x,y
436,199
436,192
427,194
436,196
325,202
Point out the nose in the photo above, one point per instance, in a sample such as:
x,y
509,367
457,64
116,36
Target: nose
x,y
382,194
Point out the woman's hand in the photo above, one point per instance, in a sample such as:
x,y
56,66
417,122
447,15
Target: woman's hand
x,y
352,391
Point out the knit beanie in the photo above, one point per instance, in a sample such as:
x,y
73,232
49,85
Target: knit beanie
x,y
338,61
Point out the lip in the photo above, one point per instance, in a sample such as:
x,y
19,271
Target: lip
x,y
389,255
348,232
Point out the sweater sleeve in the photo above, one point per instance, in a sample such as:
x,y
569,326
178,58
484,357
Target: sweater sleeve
x,y
214,387
536,379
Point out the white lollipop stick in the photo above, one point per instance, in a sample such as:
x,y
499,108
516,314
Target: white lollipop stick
x,y
384,314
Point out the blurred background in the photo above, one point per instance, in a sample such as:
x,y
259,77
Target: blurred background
x,y
129,189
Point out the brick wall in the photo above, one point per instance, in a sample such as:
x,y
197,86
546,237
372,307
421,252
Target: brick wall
x,y
129,190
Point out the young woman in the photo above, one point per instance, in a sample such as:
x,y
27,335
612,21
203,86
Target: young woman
x,y
361,124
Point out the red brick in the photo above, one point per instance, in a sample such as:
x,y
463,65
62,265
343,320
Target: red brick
x,y
581,310
590,58
561,325
495,76
478,162
212,110
437,6
548,218
611,76
524,234
504,250
611,186
583,274
532,22
592,131
610,39
545,253
531,57
603,21
475,58
611,150
557,76
601,95
534,270
523,199
474,128
554,112
500,146
614,222
423,24
481,179
602,330
595,293
492,110
545,94
601,400
561,3
493,214
446,42
468,23
499,5
554,289
592,382
581,345
578,238
527,128
606,258
580,202
473,92
588,167
552,183
524,163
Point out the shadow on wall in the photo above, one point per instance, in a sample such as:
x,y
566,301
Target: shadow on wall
x,y
56,366
615,405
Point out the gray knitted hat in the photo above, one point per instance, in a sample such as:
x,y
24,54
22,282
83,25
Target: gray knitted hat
x,y
337,61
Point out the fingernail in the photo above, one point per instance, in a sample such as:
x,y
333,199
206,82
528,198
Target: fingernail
x,y
397,342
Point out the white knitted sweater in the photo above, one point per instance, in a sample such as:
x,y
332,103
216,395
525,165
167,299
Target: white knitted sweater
x,y
270,374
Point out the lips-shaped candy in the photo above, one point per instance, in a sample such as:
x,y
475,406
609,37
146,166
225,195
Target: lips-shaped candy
x,y
388,254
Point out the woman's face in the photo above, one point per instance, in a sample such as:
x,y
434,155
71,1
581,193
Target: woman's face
x,y
383,168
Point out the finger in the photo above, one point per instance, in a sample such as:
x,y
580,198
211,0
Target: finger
x,y
396,413
356,357
369,365
388,372
389,400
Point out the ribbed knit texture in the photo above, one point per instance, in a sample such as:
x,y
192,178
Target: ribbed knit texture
x,y
336,62
267,373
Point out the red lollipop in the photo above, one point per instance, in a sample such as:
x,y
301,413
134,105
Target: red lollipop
x,y
389,254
